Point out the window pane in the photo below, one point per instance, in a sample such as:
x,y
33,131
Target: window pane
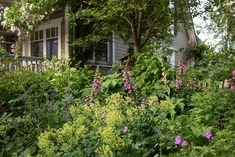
x,y
56,31
53,32
36,35
89,53
37,49
41,34
101,52
48,33
52,48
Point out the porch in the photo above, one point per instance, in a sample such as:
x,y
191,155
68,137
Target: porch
x,y
12,63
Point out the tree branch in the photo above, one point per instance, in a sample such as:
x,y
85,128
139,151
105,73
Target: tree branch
x,y
149,31
121,36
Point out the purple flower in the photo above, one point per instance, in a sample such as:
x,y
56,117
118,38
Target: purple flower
x,y
178,83
97,85
181,68
125,129
177,139
127,78
208,135
184,144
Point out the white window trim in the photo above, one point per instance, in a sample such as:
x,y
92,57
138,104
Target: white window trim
x,y
113,48
50,24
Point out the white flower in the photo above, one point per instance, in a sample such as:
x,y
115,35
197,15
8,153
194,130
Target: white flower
x,y
31,7
5,11
13,28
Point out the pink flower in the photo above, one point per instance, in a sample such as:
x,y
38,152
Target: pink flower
x,y
19,33
233,88
13,48
127,81
208,135
184,144
40,17
97,85
125,129
233,73
181,68
177,139
178,83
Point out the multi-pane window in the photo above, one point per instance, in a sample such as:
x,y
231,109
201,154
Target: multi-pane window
x,y
45,40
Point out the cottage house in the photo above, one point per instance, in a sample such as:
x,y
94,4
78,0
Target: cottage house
x,y
53,38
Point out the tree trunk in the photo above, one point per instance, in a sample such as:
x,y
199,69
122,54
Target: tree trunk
x,y
136,48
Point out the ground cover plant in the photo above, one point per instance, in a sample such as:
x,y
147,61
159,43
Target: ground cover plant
x,y
150,109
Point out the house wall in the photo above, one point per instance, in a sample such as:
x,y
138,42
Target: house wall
x,y
179,43
121,48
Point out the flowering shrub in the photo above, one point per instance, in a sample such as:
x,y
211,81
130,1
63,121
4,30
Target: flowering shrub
x,y
63,111
114,128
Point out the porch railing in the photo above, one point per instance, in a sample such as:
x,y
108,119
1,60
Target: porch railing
x,y
12,63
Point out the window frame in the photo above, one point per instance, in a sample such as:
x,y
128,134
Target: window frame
x,y
48,25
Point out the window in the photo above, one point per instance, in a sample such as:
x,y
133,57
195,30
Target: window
x,y
46,42
101,53
94,52
38,44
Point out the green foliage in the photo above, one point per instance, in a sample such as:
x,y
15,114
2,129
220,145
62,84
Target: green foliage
x,y
59,111
99,129
148,71
30,102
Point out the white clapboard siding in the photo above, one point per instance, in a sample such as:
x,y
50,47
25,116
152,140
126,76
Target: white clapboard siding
x,y
120,48
180,42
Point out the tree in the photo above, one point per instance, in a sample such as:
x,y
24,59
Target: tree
x,y
137,22
221,15
134,21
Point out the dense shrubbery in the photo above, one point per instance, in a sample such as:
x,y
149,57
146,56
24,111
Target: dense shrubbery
x,y
30,102
150,109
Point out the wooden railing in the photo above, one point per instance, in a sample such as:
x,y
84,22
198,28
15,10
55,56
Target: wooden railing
x,y
12,63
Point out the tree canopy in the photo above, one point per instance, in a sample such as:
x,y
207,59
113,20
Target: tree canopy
x,y
137,22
